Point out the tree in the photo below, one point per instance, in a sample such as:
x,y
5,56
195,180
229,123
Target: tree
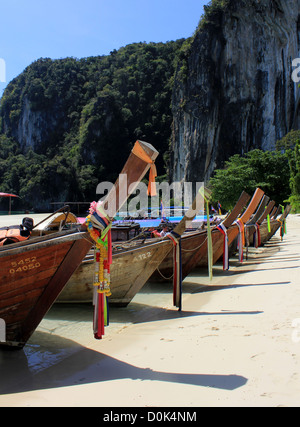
x,y
290,145
268,170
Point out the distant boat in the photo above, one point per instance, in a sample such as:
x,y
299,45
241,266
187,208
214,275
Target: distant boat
x,y
277,221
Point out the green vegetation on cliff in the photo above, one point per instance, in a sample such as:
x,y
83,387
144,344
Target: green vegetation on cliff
x,y
66,125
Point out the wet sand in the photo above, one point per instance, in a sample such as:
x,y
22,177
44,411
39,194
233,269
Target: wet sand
x,y
236,343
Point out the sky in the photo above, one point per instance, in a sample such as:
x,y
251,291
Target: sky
x,y
33,29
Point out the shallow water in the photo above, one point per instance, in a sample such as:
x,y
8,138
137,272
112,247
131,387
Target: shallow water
x,y
7,220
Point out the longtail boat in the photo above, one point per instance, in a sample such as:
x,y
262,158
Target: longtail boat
x,y
267,212
261,223
235,233
34,272
194,246
251,227
268,231
133,263
59,220
64,219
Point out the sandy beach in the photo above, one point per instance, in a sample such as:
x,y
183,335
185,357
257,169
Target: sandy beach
x,y
235,343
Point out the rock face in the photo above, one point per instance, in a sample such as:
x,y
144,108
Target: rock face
x,y
35,126
237,92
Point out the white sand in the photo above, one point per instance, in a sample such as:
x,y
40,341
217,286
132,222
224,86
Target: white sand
x,y
236,343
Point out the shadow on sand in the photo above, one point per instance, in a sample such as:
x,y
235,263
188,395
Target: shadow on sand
x,y
139,313
191,287
86,366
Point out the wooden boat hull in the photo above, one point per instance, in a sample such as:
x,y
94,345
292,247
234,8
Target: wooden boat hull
x,y
194,246
195,254
129,271
191,244
33,274
275,225
265,235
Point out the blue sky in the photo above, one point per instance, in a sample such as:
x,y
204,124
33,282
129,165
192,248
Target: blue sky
x,y
32,29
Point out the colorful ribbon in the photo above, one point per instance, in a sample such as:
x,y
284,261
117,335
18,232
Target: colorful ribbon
x,y
221,227
241,238
282,223
209,243
269,223
256,236
99,227
206,194
177,268
282,227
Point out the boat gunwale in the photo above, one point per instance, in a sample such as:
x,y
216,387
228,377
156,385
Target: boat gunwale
x,y
43,241
155,241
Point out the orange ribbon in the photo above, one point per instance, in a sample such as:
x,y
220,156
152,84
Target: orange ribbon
x,y
141,154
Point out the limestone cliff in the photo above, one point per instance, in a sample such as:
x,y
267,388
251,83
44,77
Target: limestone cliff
x,y
233,91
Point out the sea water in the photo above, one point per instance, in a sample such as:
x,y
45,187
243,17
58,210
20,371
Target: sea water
x,y
15,213
155,222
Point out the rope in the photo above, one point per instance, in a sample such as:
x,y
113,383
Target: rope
x,y
164,277
201,244
223,230
177,268
195,249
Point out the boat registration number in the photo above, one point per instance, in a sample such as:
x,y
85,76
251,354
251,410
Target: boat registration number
x,y
24,265
140,257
